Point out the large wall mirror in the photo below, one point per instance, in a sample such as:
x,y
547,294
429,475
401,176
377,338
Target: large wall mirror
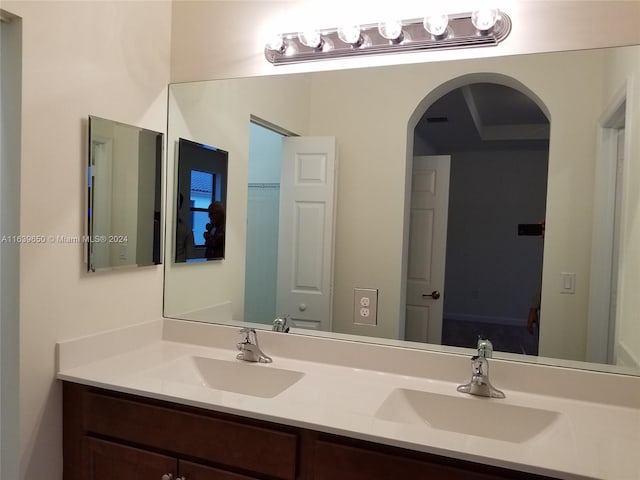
x,y
124,195
472,197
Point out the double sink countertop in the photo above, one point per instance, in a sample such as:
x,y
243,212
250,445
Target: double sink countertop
x,y
559,422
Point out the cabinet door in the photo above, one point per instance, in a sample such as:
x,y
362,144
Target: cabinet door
x,y
194,471
111,461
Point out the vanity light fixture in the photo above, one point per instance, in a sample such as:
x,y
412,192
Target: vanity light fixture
x,y
486,27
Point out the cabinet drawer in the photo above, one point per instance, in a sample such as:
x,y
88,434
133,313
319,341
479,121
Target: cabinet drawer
x,y
347,462
186,433
194,471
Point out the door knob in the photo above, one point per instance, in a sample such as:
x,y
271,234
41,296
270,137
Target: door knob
x,y
435,295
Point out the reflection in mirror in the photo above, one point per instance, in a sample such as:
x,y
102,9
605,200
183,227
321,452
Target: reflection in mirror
x,y
465,209
124,195
527,142
201,202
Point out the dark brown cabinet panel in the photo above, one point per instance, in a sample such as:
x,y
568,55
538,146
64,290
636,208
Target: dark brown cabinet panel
x,y
110,435
190,434
221,445
195,471
334,460
109,461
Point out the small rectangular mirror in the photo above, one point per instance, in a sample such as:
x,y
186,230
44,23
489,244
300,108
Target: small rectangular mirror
x,y
124,195
200,202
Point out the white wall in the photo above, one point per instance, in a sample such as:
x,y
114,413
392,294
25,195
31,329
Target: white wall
x,y
109,59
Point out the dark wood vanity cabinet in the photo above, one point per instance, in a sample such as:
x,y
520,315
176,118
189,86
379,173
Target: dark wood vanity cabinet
x,y
110,435
139,438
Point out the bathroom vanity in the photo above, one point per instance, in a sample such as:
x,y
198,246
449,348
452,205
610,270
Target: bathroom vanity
x,y
113,435
169,400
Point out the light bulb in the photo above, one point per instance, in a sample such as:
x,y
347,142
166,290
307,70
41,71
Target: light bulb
x,y
485,18
276,43
391,30
290,49
311,38
350,34
436,24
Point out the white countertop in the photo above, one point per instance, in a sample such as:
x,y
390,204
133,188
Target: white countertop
x,y
589,439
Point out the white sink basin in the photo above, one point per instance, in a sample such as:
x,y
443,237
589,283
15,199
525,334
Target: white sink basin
x,y
479,416
256,379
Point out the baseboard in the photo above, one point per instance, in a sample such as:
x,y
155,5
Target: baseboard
x,y
467,317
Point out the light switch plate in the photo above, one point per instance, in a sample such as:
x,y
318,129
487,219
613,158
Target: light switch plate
x,y
365,306
568,283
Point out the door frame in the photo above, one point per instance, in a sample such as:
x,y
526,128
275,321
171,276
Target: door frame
x,y
601,341
422,107
10,131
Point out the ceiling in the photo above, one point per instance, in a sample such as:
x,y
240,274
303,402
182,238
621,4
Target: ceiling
x,y
483,116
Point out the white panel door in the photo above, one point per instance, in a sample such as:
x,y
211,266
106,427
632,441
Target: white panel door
x,y
427,248
306,231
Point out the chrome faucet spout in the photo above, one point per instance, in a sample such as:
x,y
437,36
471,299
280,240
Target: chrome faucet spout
x,y
249,348
480,384
281,324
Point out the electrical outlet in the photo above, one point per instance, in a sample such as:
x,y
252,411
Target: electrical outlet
x,y
365,306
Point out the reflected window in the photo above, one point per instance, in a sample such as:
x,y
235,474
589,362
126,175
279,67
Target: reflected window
x,y
202,194
201,202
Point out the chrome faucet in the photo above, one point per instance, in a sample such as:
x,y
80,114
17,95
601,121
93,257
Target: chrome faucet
x,y
281,324
249,348
480,384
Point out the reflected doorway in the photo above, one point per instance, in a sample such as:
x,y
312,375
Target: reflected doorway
x,y
263,204
498,141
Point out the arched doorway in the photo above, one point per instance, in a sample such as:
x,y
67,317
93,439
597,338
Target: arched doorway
x,y
493,135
